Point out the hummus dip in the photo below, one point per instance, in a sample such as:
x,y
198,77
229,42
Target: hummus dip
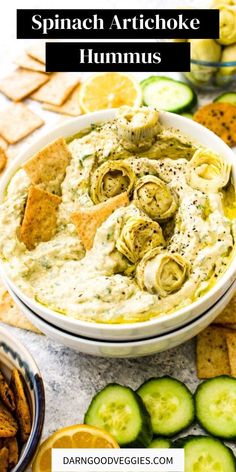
x,y
157,254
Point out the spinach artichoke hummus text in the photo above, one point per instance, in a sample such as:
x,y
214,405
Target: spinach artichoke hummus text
x,y
127,221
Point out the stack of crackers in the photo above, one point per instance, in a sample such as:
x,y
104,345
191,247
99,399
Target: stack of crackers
x,y
58,92
15,420
216,345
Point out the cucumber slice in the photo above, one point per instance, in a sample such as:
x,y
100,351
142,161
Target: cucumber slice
x,y
167,94
160,443
187,115
227,97
170,404
205,454
216,406
121,412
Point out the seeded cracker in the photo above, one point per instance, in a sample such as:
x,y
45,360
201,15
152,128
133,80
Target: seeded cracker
x,y
231,344
88,220
219,118
212,353
40,218
6,394
18,121
37,51
57,89
22,406
8,424
4,459
21,83
27,62
48,166
70,107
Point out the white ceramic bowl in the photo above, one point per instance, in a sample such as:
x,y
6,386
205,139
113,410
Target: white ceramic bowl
x,y
155,326
14,355
127,349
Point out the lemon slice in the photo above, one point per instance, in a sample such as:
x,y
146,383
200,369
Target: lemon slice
x,y
77,436
109,90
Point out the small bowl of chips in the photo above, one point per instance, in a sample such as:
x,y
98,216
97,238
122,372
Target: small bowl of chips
x,y
22,405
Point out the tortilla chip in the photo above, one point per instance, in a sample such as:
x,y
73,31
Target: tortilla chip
x,y
231,345
40,218
11,314
6,394
3,159
219,118
22,407
37,51
228,315
21,83
212,353
4,462
17,121
48,166
70,107
57,89
27,62
88,220
8,424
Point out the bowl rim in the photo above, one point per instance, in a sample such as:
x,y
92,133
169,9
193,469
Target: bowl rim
x,y
82,122
32,444
213,63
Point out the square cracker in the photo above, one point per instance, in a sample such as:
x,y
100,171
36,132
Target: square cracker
x,y
18,121
228,315
70,107
57,89
4,459
88,220
40,218
48,166
231,345
22,406
37,51
21,83
27,62
212,353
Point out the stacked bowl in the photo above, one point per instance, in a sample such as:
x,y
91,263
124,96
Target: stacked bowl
x,y
133,339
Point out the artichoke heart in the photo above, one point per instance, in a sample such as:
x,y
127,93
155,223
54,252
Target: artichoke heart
x,y
155,198
227,24
228,55
170,144
208,171
203,50
162,272
139,235
110,179
137,128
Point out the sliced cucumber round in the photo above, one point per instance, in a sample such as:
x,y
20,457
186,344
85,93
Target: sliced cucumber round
x,y
205,454
170,404
227,97
187,115
216,406
167,94
160,443
121,412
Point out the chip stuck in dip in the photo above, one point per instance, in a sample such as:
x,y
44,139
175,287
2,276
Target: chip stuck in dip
x,y
124,222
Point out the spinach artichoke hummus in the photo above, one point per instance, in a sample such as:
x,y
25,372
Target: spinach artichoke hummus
x,y
124,222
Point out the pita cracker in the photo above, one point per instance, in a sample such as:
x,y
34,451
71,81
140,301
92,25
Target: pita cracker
x,y
70,107
21,83
37,51
48,166
12,445
22,407
4,459
27,62
3,159
40,218
228,315
8,424
11,315
3,144
6,394
57,89
88,220
212,353
231,345
17,121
